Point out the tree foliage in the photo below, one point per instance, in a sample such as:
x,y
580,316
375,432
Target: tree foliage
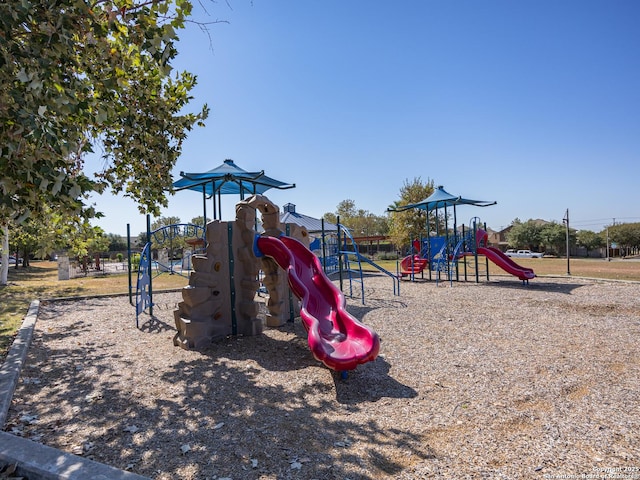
x,y
524,234
537,235
200,220
116,243
409,224
359,221
47,231
553,236
77,75
31,237
626,235
589,240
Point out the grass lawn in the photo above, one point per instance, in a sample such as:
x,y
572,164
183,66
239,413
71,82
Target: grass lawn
x,y
579,267
40,281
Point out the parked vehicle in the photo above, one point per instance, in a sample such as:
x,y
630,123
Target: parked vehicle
x,y
12,260
523,254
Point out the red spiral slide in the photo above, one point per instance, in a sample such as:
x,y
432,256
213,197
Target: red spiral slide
x,y
334,336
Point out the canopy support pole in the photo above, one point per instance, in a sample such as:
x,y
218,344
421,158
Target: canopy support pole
x,y
204,205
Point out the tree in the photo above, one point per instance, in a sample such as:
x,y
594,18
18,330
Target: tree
x,y
361,222
77,76
410,224
42,233
345,210
116,243
25,238
200,221
554,236
524,234
536,234
83,241
589,240
626,235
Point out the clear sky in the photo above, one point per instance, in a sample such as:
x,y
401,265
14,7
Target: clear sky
x,y
533,104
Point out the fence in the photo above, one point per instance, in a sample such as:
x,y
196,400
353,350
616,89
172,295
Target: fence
x,y
109,264
89,267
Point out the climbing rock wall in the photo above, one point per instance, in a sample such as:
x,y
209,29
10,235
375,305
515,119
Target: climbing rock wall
x,y
219,300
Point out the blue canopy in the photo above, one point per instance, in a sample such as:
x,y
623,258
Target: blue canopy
x,y
441,198
228,178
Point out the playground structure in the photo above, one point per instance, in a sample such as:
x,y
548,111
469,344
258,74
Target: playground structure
x,y
442,254
414,263
500,259
220,298
335,337
341,256
164,239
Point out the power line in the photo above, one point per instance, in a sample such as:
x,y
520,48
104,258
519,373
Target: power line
x,y
604,221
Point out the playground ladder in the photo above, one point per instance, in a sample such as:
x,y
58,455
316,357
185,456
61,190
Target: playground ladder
x,y
346,254
441,262
464,246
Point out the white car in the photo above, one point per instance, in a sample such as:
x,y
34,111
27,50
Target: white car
x,y
523,254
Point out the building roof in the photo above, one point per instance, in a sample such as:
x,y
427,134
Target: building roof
x,y
311,224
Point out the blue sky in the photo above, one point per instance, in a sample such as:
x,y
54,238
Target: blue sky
x,y
533,104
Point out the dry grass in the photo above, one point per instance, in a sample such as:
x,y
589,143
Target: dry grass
x,y
579,267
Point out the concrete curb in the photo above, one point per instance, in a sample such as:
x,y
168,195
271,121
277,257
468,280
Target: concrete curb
x,y
12,366
39,462
34,460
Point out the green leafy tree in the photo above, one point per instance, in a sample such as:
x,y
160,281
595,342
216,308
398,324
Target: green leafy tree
x,y
84,241
359,221
589,240
170,239
627,236
76,75
410,224
554,237
524,234
345,210
330,217
379,225
25,238
116,243
46,231
164,222
200,221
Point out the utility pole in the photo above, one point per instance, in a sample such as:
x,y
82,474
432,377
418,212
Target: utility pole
x,y
565,220
608,259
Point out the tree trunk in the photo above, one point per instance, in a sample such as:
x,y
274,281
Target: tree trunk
x,y
4,269
25,259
